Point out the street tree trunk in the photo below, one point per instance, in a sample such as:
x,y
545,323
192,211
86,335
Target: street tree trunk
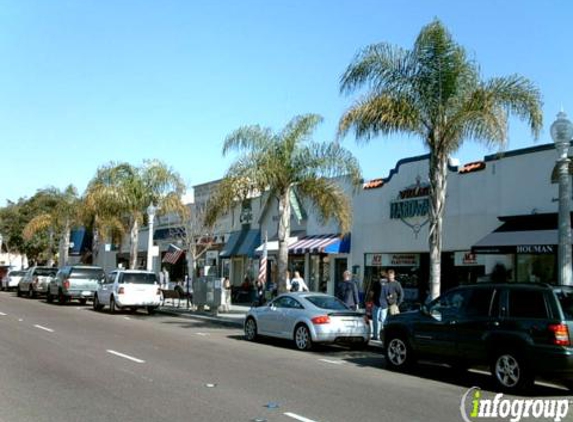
x,y
283,237
64,246
133,245
95,242
438,185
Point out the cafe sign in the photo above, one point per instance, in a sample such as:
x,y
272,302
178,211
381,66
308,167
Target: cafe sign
x,y
412,206
392,260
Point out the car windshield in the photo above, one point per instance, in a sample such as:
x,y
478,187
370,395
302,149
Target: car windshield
x,y
93,273
46,271
139,278
566,299
327,302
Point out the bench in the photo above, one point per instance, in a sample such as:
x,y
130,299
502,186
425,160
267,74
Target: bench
x,y
177,293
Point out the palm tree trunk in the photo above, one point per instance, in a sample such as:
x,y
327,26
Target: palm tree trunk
x,y
50,248
133,245
438,186
64,246
283,237
95,242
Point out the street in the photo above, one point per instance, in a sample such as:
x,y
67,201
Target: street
x,y
69,363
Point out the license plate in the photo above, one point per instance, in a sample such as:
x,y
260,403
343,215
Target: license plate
x,y
86,293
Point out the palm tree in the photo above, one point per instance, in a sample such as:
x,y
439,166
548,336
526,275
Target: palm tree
x,y
60,220
435,92
125,191
277,163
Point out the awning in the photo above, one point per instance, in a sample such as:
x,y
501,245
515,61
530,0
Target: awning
x,y
273,245
80,241
528,234
242,242
321,243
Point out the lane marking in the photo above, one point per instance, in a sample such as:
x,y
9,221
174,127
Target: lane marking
x,y
202,334
121,355
297,417
49,330
334,362
3,314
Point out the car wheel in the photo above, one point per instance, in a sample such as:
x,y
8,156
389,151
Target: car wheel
x,y
83,301
49,297
151,310
399,354
251,329
31,293
96,305
510,373
302,338
112,306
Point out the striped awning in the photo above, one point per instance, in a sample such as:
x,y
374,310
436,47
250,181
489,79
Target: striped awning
x,y
321,243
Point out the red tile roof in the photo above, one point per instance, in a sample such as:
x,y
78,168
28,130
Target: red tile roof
x,y
373,184
472,167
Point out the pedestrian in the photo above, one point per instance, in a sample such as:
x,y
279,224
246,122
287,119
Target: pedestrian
x,y
394,293
348,291
226,307
380,308
164,278
297,284
260,289
287,283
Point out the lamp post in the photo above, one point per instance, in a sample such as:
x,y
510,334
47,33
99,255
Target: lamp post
x,y
151,216
562,133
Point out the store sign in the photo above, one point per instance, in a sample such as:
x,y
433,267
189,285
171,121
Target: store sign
x,y
468,259
393,260
412,206
536,249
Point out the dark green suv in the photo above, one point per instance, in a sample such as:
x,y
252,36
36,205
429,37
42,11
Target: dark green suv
x,y
519,330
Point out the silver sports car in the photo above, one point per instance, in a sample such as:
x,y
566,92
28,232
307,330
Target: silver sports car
x,y
307,318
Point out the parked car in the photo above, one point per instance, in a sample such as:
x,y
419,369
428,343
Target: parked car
x,y
12,279
308,318
35,281
74,282
132,289
520,330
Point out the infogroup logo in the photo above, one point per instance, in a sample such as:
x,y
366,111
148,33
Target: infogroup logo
x,y
475,406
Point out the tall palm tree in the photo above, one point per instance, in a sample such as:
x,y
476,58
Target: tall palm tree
x,y
60,220
277,163
124,190
435,92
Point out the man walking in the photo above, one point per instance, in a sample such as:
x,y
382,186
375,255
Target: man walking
x,y
348,291
395,294
380,310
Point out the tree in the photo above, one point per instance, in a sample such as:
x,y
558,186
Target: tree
x,y
126,191
59,220
277,163
435,92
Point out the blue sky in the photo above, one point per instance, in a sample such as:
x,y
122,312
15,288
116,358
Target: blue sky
x,y
83,82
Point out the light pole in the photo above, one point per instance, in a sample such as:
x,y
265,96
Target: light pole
x,y
151,216
562,133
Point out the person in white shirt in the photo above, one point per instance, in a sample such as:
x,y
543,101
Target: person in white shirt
x,y
297,283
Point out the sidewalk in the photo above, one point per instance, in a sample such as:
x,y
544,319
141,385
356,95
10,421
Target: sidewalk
x,y
234,318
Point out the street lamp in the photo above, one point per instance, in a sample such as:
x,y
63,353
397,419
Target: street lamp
x,y
562,133
151,216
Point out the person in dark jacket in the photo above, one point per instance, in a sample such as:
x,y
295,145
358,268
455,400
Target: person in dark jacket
x,y
394,294
380,309
348,291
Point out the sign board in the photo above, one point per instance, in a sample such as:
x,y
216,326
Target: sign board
x,y
392,260
468,259
412,206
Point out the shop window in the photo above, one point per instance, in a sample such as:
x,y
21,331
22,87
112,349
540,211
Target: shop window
x,y
536,268
527,304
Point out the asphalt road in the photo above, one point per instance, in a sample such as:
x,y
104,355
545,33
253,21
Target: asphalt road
x,y
72,364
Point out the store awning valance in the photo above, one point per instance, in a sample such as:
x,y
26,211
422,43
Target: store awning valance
x,y
321,243
273,245
241,243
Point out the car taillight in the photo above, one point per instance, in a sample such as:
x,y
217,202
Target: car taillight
x,y
561,334
323,319
66,284
120,291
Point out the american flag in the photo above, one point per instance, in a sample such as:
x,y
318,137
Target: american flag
x,y
263,264
172,255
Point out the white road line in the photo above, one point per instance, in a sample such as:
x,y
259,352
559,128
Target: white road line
x,y
202,334
298,417
121,355
3,314
334,362
49,330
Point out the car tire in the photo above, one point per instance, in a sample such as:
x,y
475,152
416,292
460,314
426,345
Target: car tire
x,y
151,310
302,338
251,329
399,353
31,293
112,306
49,297
83,301
96,305
510,373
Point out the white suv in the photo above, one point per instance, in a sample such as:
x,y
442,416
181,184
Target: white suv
x,y
131,289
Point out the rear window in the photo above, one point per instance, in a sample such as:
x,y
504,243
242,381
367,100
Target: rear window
x,y
327,302
138,278
46,271
94,273
527,304
17,273
566,300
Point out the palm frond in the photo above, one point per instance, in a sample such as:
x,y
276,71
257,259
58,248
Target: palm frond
x,y
39,223
248,139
